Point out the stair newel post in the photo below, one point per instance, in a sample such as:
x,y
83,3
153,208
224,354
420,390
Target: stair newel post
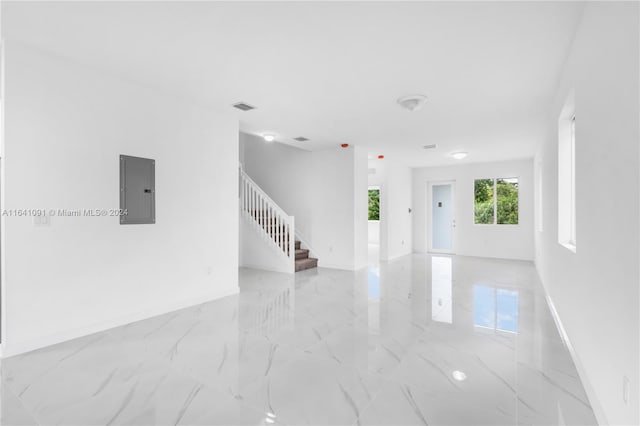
x,y
292,241
280,237
251,212
243,187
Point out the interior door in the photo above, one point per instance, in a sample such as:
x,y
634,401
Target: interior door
x,y
442,217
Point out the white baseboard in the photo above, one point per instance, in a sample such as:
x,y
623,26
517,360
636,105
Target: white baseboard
x,y
396,257
336,266
588,387
265,268
20,347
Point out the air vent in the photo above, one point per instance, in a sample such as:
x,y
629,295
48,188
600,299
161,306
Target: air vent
x,y
301,139
430,146
242,106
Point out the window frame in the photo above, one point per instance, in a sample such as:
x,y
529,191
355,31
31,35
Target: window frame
x,y
495,202
567,206
374,188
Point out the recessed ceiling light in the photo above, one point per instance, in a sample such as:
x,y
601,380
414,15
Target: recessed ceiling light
x,y
243,106
459,375
412,102
432,146
459,155
269,137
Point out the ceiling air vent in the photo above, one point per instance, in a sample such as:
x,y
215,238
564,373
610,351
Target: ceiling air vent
x,y
243,106
301,139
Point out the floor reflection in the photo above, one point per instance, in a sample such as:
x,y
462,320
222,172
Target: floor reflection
x,y
441,289
495,308
395,343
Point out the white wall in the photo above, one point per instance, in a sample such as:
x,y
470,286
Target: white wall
x,y
595,290
395,202
374,232
319,189
395,227
361,207
499,241
66,126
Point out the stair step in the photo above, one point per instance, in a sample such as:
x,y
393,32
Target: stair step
x,y
297,245
307,263
302,254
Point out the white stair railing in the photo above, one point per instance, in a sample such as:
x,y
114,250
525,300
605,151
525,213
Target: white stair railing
x,y
276,226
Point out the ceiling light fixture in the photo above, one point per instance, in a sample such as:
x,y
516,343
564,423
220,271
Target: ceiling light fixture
x,y
269,137
432,146
459,155
412,102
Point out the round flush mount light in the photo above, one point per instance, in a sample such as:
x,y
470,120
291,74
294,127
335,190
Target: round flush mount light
x,y
459,375
269,137
412,102
459,155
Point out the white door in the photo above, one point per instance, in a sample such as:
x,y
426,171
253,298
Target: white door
x,y
441,213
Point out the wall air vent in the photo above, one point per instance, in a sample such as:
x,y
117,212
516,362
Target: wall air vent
x,y
243,106
301,139
432,146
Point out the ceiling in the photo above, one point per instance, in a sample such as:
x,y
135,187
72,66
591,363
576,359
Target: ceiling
x,y
332,71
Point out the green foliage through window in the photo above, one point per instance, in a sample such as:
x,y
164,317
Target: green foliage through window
x,y
491,195
374,204
484,201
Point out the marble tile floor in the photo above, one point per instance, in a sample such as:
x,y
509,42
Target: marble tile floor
x,y
423,340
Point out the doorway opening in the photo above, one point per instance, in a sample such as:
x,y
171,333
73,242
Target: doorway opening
x,y
442,223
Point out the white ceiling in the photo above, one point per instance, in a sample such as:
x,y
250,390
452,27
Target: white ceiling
x,y
332,71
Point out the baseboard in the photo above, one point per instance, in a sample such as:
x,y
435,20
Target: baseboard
x,y
17,348
342,267
395,257
593,399
265,268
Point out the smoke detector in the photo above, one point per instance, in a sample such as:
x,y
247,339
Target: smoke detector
x,y
412,102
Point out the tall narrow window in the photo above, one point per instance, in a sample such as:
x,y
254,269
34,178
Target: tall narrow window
x,y
539,198
567,176
496,201
572,235
374,203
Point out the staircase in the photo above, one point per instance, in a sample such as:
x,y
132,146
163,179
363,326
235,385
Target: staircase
x,y
276,227
303,261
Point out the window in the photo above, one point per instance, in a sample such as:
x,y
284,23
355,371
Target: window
x,y
374,203
496,201
539,201
567,176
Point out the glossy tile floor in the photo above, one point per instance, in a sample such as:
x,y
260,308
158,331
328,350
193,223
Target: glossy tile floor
x,y
388,345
